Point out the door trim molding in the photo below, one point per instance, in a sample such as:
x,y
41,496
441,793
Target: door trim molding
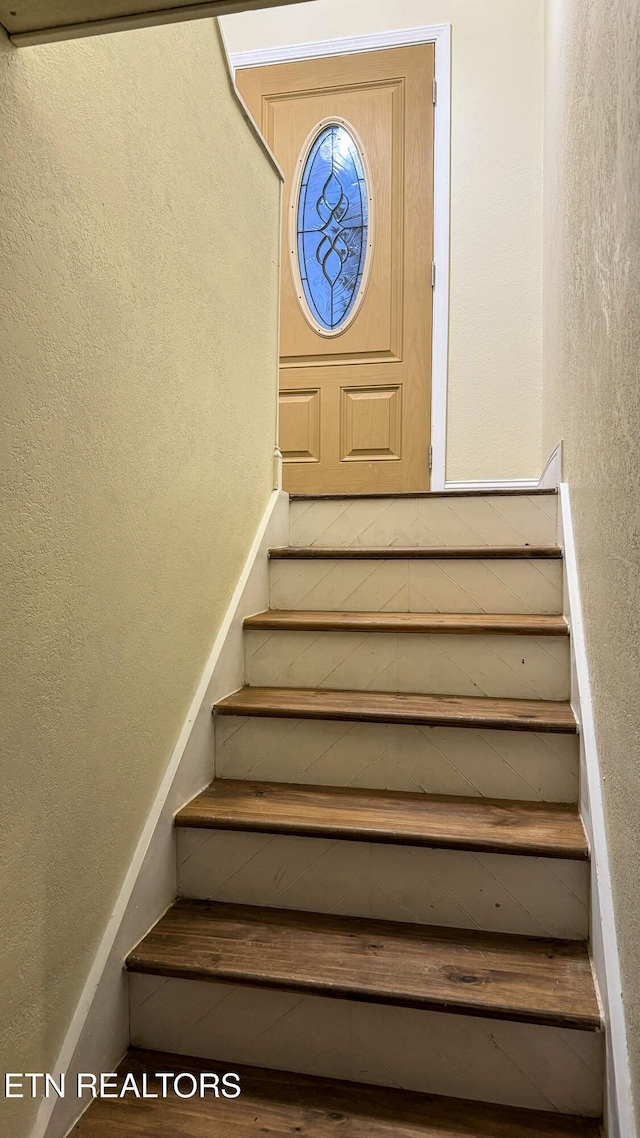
x,y
440,36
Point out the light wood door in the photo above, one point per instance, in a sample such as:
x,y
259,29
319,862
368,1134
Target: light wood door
x,y
355,399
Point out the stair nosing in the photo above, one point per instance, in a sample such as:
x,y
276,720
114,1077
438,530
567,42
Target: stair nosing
x,y
507,840
501,492
279,703
461,624
420,553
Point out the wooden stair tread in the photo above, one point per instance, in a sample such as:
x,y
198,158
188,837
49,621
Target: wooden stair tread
x,y
281,1104
516,492
543,829
424,553
520,978
402,707
300,620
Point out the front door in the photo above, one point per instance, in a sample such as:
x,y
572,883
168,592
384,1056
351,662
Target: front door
x,y
354,137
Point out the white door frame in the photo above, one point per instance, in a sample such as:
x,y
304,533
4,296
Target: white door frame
x,y
440,35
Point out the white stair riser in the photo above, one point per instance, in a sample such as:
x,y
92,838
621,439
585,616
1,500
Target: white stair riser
x,y
494,892
517,667
444,585
474,520
464,1056
383,756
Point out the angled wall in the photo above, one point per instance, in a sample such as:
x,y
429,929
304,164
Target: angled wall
x,y
139,249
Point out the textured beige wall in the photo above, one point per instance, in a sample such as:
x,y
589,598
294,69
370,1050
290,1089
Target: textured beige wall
x,y
138,320
495,358
592,381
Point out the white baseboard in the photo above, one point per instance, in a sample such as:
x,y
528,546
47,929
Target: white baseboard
x,y
495,484
99,1032
277,468
549,479
619,1115
551,476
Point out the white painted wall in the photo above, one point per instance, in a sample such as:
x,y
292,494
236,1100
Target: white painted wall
x,y
495,355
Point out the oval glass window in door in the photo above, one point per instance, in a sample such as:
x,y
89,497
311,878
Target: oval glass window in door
x,y
333,228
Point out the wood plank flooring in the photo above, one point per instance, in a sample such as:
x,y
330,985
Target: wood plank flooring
x,y
415,553
300,620
528,979
543,829
402,707
280,1105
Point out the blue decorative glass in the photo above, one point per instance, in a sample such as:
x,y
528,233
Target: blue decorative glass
x,y
332,226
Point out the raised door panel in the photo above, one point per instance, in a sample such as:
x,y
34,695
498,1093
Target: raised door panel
x,y
300,426
371,423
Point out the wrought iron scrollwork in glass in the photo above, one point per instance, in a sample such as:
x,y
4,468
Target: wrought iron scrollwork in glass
x,y
332,227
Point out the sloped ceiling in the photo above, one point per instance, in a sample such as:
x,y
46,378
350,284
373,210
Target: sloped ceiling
x,y
43,21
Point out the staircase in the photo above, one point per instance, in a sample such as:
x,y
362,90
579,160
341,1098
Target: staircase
x,y
384,894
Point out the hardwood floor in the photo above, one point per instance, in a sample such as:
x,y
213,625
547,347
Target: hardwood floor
x,y
280,1104
401,707
301,620
545,829
532,980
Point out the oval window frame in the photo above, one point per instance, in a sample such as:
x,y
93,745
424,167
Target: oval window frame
x,y
330,333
